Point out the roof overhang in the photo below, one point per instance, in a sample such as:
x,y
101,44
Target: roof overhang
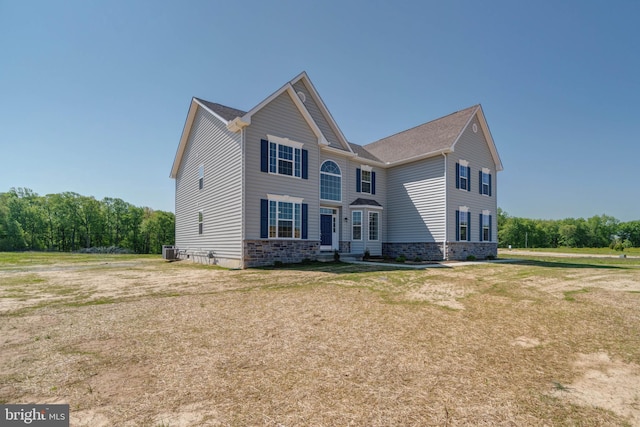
x,y
487,133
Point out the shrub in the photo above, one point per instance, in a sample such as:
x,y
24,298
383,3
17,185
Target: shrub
x,y
417,259
278,264
471,258
336,256
367,254
491,257
401,259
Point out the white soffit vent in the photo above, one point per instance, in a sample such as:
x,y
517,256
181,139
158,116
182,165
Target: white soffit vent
x,y
302,96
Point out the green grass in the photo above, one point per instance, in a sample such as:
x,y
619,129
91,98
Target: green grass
x,y
12,260
587,251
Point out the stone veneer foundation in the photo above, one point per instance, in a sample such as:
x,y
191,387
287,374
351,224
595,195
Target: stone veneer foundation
x,y
458,251
258,253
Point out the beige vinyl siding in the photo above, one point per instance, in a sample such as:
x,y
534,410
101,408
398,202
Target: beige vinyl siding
x,y
317,116
283,119
219,150
416,202
473,148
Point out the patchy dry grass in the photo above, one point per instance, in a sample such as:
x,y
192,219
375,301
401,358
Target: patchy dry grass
x,y
139,341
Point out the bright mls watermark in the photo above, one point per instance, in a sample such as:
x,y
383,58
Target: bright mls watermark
x,y
34,415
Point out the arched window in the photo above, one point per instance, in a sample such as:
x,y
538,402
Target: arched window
x,y
330,181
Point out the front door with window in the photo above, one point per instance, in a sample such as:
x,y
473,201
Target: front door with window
x,y
328,232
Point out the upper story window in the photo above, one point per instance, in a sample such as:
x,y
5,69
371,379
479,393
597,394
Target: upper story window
x,y
463,175
283,157
485,181
366,181
330,181
201,177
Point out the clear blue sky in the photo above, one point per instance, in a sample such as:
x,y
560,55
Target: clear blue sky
x,y
94,95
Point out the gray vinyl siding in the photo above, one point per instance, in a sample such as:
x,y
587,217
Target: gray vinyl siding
x,y
374,247
279,118
219,150
317,116
416,202
473,148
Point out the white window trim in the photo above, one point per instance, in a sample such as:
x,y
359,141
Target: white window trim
x,y
295,145
464,163
463,166
361,226
366,168
332,174
284,198
486,214
362,181
369,224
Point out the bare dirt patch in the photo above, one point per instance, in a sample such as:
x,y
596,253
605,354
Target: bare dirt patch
x,y
155,343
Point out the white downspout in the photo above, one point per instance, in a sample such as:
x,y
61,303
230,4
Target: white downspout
x,y
242,186
446,217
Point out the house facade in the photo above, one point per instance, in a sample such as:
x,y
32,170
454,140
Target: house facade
x,y
280,182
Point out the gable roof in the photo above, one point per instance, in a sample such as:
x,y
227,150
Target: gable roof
x,y
226,113
431,137
360,151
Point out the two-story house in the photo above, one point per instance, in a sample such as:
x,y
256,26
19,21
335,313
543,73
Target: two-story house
x,y
280,182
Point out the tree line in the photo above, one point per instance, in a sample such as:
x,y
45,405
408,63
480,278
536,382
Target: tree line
x,y
595,232
72,222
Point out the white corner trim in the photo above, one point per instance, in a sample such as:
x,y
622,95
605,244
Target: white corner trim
x,y
237,124
284,141
284,198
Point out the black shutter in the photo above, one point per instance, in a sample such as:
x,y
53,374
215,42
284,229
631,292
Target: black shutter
x,y
468,178
457,175
457,225
305,220
481,227
468,226
264,155
480,181
305,164
264,218
358,180
373,183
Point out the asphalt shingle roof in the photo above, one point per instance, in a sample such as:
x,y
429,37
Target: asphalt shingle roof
x,y
223,111
361,152
364,202
427,138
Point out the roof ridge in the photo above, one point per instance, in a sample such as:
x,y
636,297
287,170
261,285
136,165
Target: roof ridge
x,y
422,124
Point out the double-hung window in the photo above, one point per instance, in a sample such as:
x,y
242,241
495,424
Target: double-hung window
x,y
201,177
463,175
485,231
285,220
485,182
463,224
200,222
365,179
374,222
283,157
356,225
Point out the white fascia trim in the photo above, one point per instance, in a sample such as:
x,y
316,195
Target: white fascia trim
x,y
186,131
323,108
237,124
453,146
492,146
362,207
284,141
419,157
338,151
305,113
211,111
284,198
